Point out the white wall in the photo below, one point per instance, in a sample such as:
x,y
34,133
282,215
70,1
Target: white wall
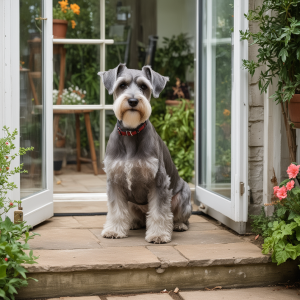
x,y
174,17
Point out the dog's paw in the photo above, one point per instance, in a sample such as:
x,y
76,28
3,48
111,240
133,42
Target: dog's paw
x,y
180,227
111,234
162,239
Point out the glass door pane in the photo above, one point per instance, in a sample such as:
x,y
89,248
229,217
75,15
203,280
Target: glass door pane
x,y
32,97
215,119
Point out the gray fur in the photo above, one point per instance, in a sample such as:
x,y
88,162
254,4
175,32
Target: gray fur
x,y
144,187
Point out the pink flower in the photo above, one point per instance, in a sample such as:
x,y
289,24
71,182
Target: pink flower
x,y
292,171
7,143
290,185
281,193
275,189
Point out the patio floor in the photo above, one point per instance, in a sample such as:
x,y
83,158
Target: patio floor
x,y
76,260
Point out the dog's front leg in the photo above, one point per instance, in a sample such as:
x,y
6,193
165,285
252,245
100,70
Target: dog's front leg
x,y
159,217
118,218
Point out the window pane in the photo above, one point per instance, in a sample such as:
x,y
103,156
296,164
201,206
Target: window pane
x,y
31,97
215,122
70,176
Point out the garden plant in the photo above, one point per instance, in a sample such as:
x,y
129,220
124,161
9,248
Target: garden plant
x,y
281,231
278,39
13,237
65,11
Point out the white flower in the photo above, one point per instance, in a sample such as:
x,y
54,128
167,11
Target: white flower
x,y
7,143
76,88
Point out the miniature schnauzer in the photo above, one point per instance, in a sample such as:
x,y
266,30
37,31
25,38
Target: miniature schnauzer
x,y
143,185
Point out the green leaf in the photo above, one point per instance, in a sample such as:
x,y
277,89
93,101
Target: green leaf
x,y
283,54
2,293
3,271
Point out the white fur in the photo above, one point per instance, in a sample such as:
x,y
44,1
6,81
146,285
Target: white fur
x,y
117,169
159,218
118,219
132,118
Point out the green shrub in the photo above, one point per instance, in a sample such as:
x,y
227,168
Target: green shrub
x,y
281,232
13,237
176,128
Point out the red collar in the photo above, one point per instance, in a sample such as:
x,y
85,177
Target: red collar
x,y
130,132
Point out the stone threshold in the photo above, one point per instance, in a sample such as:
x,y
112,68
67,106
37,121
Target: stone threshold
x,y
156,256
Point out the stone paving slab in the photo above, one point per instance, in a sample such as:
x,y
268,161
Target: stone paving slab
x,y
222,254
94,259
168,256
91,221
60,222
137,238
264,293
142,297
80,207
77,298
63,238
203,226
196,219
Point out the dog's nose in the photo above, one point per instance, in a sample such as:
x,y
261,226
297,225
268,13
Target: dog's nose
x,y
133,102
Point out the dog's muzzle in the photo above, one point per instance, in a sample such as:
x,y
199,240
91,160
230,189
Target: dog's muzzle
x,y
133,102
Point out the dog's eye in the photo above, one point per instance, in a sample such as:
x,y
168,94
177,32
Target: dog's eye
x,y
143,87
122,86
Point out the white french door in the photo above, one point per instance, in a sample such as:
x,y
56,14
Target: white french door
x,y
26,101
222,112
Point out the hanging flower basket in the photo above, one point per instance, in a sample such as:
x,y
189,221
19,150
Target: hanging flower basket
x,y
294,110
60,28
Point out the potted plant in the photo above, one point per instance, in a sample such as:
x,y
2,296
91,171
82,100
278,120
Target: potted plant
x,y
279,52
62,15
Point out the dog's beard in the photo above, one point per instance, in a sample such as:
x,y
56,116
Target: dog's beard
x,y
132,117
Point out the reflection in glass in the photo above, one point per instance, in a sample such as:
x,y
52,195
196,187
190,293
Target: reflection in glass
x,y
31,96
148,32
215,168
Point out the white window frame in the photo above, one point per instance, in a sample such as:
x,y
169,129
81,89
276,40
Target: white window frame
x,y
39,206
233,213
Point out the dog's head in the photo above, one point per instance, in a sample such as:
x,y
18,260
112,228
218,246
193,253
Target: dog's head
x,y
132,91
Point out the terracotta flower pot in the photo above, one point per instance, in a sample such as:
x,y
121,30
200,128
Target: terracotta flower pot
x,y
294,110
60,28
178,103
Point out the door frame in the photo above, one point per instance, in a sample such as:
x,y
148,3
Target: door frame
x,y
231,213
37,207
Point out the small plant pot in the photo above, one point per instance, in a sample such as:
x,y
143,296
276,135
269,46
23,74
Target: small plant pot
x,y
60,143
60,28
294,110
57,164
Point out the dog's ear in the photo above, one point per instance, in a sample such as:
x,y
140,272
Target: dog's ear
x,y
109,77
158,81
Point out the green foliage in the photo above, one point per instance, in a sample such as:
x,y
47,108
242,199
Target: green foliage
x,y
13,241
176,128
281,231
278,40
13,237
6,159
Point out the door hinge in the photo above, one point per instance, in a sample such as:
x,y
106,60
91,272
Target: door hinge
x,y
242,188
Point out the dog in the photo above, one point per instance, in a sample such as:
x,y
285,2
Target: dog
x,y
143,185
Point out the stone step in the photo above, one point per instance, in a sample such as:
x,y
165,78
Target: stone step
x,y
152,268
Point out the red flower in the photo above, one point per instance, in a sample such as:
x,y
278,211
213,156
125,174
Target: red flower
x,y
11,204
6,259
0,169
292,171
290,185
275,189
7,168
281,193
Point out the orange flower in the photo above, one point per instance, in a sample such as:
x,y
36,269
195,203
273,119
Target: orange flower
x,y
73,23
75,8
63,5
226,112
